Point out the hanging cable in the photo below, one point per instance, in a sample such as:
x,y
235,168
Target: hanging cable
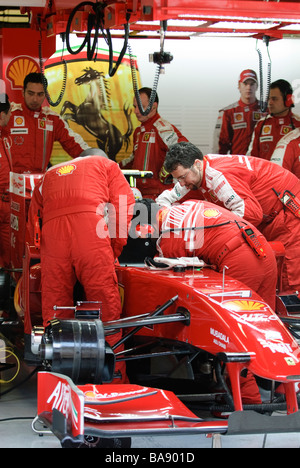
x,y
45,83
160,58
136,88
96,22
264,102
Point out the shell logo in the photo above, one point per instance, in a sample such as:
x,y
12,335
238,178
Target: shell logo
x,y
245,306
66,170
90,394
211,213
19,121
239,117
18,68
267,130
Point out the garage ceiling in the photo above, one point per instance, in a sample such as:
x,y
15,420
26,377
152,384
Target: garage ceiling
x,y
241,18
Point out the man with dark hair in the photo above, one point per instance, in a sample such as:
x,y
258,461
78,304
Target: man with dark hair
x,y
280,121
259,191
151,141
5,166
34,129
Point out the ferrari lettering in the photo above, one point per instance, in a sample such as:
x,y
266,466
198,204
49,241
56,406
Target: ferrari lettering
x,y
61,398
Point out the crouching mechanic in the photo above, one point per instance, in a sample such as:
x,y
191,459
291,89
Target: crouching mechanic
x,y
261,192
72,200
219,237
216,235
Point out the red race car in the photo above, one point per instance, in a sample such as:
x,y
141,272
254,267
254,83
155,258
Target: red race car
x,y
190,333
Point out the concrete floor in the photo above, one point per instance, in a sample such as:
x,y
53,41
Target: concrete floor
x,y
18,409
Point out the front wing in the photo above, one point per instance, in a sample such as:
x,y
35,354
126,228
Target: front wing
x,y
109,411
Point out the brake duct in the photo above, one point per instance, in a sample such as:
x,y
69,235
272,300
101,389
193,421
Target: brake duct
x,y
77,348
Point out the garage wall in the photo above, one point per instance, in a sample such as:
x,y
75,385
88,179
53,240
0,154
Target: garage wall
x,y
203,77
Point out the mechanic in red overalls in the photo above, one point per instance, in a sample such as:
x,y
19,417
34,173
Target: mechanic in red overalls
x,y
287,152
218,240
34,129
236,122
224,246
151,141
5,168
255,189
74,200
280,121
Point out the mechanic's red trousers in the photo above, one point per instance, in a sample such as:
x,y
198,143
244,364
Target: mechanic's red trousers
x,y
71,250
259,274
249,389
285,229
4,233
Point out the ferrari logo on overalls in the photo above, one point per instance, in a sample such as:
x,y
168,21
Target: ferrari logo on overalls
x,y
66,170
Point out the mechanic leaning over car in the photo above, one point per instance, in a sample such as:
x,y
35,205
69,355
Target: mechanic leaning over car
x,y
261,192
214,234
219,237
85,206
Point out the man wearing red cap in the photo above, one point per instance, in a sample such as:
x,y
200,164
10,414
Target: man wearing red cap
x,y
236,122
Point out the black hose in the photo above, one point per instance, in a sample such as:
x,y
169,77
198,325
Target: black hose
x,y
96,22
264,102
136,89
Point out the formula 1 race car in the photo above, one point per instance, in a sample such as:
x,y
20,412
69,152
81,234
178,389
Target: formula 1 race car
x,y
190,334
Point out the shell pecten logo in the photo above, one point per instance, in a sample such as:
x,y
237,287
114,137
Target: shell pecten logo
x,y
18,68
66,170
245,306
211,213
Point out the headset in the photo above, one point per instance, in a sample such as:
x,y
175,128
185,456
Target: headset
x,y
289,101
286,91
